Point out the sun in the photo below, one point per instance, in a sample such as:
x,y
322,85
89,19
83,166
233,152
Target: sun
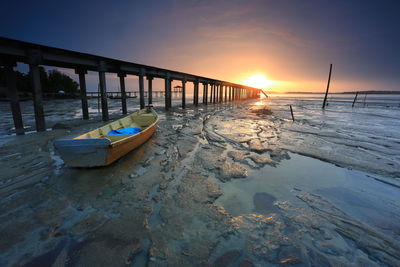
x,y
258,81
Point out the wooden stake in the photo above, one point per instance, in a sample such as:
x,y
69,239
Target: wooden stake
x,y
365,98
355,99
291,112
327,87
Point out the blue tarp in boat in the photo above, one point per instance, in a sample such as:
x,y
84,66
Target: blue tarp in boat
x,y
127,130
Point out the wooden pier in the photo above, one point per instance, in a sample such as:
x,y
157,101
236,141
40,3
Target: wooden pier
x,y
131,94
13,51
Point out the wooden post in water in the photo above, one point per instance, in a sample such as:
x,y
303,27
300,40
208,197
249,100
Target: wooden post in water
x,y
184,93
168,101
103,90
166,82
82,86
211,92
98,98
214,91
196,92
355,99
122,76
365,98
226,94
13,95
216,95
327,87
150,89
221,93
37,100
141,88
206,95
291,112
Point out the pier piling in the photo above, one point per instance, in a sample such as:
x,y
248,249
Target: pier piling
x,y
82,86
206,94
196,92
168,101
37,98
212,89
14,100
216,98
225,94
36,55
184,93
103,90
123,92
141,88
150,89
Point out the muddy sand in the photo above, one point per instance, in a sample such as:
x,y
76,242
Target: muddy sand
x,y
212,187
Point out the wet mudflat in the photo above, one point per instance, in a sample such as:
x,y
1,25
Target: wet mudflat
x,y
216,185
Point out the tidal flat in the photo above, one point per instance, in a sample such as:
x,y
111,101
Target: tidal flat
x,y
219,185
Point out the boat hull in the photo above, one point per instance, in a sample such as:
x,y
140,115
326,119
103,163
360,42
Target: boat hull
x,y
83,152
94,152
123,148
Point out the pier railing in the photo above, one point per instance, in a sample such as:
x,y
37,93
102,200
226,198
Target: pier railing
x,y
13,51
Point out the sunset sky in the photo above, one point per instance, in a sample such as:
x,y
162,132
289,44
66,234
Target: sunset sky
x,y
291,43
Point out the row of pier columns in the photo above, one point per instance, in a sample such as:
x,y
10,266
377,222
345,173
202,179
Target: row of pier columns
x,y
213,92
220,93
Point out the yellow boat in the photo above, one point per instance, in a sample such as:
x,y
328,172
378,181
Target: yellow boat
x,y
99,148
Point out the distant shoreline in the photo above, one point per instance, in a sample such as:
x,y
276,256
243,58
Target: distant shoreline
x,y
371,92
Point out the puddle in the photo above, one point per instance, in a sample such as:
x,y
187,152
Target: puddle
x,y
372,202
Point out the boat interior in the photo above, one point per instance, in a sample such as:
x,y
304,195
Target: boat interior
x,y
141,118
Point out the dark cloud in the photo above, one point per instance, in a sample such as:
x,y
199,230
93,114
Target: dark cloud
x,y
288,40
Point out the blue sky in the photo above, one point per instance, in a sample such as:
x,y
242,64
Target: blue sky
x,y
291,42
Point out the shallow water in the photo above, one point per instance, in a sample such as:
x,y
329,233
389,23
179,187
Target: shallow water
x,y
218,185
58,110
351,191
363,137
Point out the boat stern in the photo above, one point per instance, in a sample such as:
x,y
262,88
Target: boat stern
x,y
89,152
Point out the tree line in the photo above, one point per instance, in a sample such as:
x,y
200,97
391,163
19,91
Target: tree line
x,y
52,81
